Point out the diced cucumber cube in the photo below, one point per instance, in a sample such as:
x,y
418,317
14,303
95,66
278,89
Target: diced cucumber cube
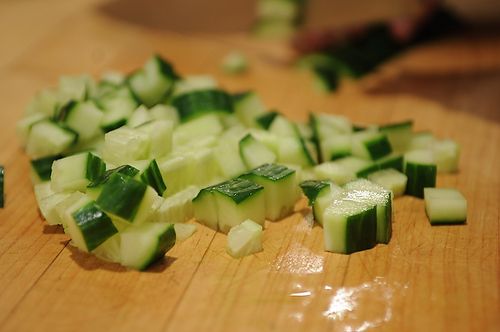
x,y
335,172
144,244
85,119
254,153
445,206
192,83
177,208
160,134
24,125
280,188
247,107
399,134
47,138
205,208
446,154
124,145
420,168
244,239
76,172
153,178
390,179
184,231
320,194
198,103
370,145
197,129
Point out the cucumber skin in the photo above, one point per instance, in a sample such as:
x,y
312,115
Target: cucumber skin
x,y
2,175
121,196
238,189
166,241
95,167
93,232
152,177
379,148
266,119
43,166
419,177
193,104
311,188
361,231
124,169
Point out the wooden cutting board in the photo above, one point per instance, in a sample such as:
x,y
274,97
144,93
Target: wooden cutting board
x,y
428,278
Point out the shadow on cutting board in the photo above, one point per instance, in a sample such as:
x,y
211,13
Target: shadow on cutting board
x,y
90,262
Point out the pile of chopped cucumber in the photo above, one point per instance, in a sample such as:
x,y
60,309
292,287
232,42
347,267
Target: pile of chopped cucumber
x,y
124,162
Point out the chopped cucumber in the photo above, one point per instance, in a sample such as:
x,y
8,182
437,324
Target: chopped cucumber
x,y
421,140
47,138
139,117
152,177
244,239
370,145
446,154
124,145
371,193
201,102
399,134
196,129
445,206
42,167
205,208
76,172
109,250
153,83
23,127
280,188
349,226
266,119
254,153
248,107
160,134
84,118
320,194
89,227
184,231
194,83
390,179
144,244
234,63
420,168
128,199
178,208
334,171
228,158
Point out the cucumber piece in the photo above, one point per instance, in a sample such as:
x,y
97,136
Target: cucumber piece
x,y
336,146
280,188
228,158
109,250
365,171
75,88
393,160
89,227
197,129
126,170
152,177
201,102
420,168
117,105
2,181
42,167
283,127
143,245
335,172
45,103
76,172
445,206
124,145
264,120
184,231
370,145
238,200
82,117
165,112
254,153
234,63
24,125
390,179
244,239
160,134
154,82
139,116
194,83
47,138
446,153
176,171
248,107
178,208
349,226
48,204
399,134
205,208
326,126
320,194
421,140
371,193
128,199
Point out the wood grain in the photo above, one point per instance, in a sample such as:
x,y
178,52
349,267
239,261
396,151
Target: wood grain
x,y
428,278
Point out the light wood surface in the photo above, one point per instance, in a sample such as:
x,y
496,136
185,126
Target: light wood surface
x,y
427,279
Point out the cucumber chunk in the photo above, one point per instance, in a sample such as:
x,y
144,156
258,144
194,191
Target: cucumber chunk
x,y
153,83
85,119
320,194
89,227
280,188
160,134
420,168
197,103
128,199
266,119
194,83
24,125
254,153
142,245
248,107
370,145
366,191
399,134
178,208
238,200
205,208
334,171
42,167
184,231
124,145
349,226
152,177
390,179
244,239
445,206
47,138
446,153
198,128
76,172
